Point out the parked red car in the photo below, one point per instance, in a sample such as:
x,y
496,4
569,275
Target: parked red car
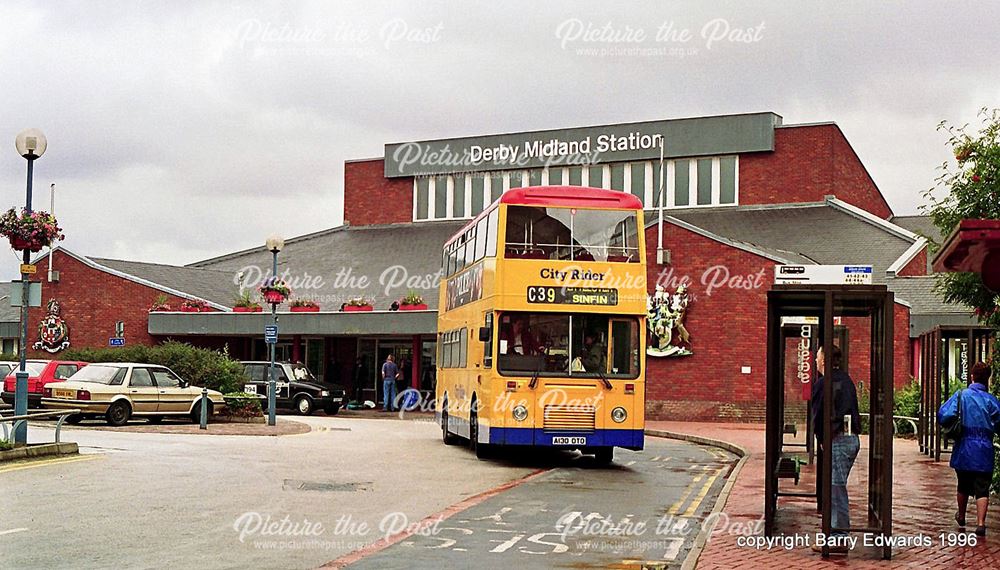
x,y
40,372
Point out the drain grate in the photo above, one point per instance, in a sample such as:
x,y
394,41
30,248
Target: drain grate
x,y
325,486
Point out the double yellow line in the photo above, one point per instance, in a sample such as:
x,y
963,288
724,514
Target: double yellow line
x,y
44,462
696,501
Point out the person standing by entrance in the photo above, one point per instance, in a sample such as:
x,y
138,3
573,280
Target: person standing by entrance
x,y
845,442
972,457
390,372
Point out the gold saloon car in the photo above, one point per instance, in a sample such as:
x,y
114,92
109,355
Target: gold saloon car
x,y
117,391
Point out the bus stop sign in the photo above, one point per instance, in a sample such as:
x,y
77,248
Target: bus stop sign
x,y
271,334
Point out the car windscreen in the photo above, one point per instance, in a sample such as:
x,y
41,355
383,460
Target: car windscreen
x,y
302,374
33,368
97,374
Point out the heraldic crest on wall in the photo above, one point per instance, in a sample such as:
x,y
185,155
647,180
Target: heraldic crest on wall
x,y
53,333
665,313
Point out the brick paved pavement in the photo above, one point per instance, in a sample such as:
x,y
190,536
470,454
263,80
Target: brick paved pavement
x,y
923,503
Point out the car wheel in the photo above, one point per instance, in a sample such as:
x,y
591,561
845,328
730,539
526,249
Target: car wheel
x,y
74,419
118,413
196,413
604,455
446,436
332,410
155,419
303,405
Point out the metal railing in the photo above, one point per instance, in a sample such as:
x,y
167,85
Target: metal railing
x,y
913,422
16,421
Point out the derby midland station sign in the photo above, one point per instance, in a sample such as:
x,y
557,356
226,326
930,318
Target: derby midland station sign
x,y
703,136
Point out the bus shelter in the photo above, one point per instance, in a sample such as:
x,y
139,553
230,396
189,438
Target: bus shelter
x,y
868,304
947,354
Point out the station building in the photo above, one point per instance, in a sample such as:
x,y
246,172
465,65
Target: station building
x,y
740,195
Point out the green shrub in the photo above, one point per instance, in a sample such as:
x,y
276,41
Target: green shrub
x,y
199,366
906,402
6,445
243,405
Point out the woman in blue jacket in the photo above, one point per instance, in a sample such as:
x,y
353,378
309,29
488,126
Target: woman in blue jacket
x,y
972,456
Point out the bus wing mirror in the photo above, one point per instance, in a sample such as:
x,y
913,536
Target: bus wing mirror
x,y
485,334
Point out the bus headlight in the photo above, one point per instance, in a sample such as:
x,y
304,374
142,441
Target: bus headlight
x,y
619,414
520,413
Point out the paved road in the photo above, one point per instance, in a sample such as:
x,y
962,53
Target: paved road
x,y
140,500
647,508
171,501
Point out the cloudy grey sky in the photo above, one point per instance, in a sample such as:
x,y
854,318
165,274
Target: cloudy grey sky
x,y
179,131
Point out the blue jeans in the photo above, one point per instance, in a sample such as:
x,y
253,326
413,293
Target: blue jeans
x,y
845,450
388,394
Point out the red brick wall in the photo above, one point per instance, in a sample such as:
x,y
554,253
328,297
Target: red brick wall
x,y
860,347
808,163
370,198
92,302
916,266
727,330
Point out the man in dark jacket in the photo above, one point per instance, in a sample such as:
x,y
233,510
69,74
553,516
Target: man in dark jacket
x,y
845,442
973,457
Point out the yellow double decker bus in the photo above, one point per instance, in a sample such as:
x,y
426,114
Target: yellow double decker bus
x,y
541,326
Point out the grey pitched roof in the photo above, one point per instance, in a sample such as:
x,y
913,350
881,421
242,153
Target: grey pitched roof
x,y
208,284
919,293
927,308
805,233
379,262
920,225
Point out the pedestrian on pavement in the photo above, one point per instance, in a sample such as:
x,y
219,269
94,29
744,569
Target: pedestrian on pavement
x,y
972,457
845,441
390,372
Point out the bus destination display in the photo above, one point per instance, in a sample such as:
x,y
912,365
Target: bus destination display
x,y
572,295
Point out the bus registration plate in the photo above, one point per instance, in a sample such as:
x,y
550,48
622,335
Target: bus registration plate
x,y
562,440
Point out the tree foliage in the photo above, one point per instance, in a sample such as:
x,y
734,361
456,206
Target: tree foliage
x,y
971,186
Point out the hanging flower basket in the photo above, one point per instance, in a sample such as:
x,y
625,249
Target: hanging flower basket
x,y
29,232
275,291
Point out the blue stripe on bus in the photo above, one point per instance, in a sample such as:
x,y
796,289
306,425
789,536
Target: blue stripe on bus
x,y
627,438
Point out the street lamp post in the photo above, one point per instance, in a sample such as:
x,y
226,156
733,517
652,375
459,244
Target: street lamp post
x,y
274,245
31,145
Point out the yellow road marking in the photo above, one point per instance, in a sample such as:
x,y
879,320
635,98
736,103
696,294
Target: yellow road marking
x,y
45,462
701,495
676,507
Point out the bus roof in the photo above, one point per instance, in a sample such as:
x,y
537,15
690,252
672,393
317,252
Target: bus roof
x,y
566,196
572,196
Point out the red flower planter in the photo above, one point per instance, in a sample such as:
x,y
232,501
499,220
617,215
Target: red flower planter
x,y
304,309
189,309
21,245
356,309
420,307
273,297
248,309
205,310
